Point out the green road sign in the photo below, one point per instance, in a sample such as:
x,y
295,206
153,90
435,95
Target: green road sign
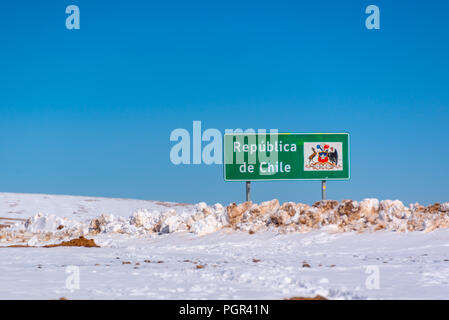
x,y
286,156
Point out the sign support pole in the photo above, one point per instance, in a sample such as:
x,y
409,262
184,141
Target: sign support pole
x,y
323,190
248,190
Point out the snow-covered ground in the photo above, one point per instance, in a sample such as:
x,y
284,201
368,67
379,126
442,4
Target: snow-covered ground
x,y
207,260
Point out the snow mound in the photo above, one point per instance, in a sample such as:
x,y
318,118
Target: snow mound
x,y
49,223
202,220
368,215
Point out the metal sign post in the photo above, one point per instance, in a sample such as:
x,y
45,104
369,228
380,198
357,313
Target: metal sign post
x,y
323,190
248,190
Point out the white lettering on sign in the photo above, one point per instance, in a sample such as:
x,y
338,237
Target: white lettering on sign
x,y
266,167
264,147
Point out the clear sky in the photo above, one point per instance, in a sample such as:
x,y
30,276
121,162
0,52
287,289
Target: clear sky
x,y
90,111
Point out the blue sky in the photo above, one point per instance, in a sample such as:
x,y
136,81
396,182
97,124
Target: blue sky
x,y
90,111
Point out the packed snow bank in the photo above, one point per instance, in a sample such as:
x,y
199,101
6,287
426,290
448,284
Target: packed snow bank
x,y
49,223
347,215
203,220
365,216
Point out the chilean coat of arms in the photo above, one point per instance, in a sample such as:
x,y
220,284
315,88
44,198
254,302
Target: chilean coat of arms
x,y
323,156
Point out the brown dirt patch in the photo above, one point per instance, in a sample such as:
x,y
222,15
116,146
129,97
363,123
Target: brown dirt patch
x,y
171,204
256,260
200,266
12,219
17,246
326,205
80,242
318,297
306,265
434,208
8,222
